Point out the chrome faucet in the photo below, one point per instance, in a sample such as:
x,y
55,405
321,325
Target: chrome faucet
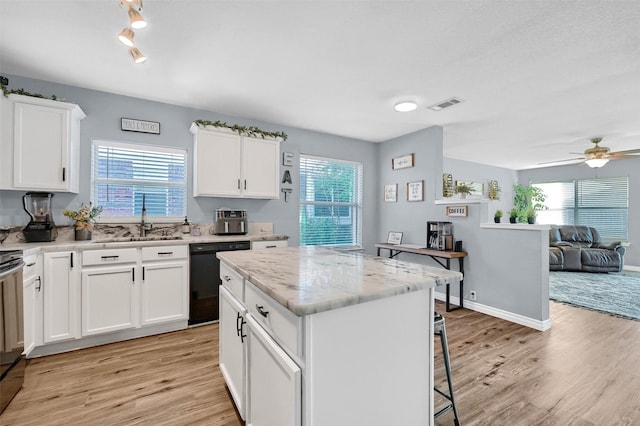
x,y
144,226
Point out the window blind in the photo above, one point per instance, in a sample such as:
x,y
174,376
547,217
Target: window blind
x,y
602,203
124,174
330,202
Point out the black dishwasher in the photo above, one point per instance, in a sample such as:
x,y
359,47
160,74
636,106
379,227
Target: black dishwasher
x,y
204,279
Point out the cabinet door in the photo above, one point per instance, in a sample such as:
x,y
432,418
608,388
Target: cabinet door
x,y
260,168
108,299
32,306
164,292
61,290
274,384
41,147
217,164
232,347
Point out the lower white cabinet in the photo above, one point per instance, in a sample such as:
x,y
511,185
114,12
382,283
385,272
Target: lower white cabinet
x,y
165,292
61,293
32,302
109,299
233,343
165,284
256,245
274,381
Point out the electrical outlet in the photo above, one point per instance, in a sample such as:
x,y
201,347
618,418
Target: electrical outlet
x,y
472,295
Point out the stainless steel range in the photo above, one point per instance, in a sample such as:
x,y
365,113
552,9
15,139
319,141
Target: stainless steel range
x,y
12,362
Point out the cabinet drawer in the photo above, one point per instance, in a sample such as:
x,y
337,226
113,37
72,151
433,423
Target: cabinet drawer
x,y
232,281
282,324
109,256
31,266
256,245
165,252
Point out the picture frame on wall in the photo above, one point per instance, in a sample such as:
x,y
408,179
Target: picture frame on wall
x,y
394,237
402,162
477,188
391,193
415,191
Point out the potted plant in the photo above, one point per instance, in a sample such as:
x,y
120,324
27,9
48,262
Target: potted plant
x,y
497,216
84,218
531,215
513,215
525,196
463,189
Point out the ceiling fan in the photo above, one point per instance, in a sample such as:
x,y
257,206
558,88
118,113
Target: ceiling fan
x,y
598,156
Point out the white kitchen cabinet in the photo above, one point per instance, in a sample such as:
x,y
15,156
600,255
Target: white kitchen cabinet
x,y
232,353
229,165
40,143
275,387
61,290
165,284
258,245
109,299
32,299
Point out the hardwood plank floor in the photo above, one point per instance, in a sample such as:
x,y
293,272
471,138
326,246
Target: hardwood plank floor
x,y
584,371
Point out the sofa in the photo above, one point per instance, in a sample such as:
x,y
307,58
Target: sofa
x,y
580,248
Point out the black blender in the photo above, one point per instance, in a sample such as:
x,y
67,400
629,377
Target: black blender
x,y
41,227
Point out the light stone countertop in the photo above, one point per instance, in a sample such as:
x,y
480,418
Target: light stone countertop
x,y
96,243
307,280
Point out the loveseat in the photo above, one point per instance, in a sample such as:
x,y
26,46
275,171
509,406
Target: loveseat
x,y
580,248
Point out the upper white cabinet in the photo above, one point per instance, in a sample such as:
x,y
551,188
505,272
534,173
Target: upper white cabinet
x,y
229,165
40,142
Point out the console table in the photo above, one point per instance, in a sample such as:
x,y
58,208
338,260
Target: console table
x,y
438,256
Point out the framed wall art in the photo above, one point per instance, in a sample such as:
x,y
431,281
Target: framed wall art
x,y
402,162
477,188
391,193
415,191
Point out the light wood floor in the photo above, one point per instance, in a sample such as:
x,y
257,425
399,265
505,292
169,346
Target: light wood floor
x,y
584,371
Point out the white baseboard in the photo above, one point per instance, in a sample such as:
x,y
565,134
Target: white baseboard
x,y
631,268
498,313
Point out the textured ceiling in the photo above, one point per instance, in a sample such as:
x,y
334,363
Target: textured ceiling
x,y
539,78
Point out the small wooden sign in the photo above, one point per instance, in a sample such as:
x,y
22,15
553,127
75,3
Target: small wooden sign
x,y
457,211
132,125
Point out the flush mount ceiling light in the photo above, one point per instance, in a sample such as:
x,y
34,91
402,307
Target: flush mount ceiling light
x,y
137,56
126,37
405,105
136,21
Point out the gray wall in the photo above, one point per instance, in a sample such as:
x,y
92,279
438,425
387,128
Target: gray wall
x,y
617,168
104,111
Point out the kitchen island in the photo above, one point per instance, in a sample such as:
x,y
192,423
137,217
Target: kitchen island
x,y
314,336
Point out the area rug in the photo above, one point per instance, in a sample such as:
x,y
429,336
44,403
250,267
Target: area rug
x,y
613,293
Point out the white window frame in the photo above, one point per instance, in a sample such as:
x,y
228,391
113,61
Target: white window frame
x,y
133,146
355,207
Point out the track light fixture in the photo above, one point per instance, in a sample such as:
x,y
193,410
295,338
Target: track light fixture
x,y
136,21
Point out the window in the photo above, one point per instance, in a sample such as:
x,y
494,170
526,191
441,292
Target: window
x,y
601,203
125,174
330,202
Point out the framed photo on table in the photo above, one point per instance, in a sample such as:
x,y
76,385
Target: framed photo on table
x,y
415,191
394,238
391,193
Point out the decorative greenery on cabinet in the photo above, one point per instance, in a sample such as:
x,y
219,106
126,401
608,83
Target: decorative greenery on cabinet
x,y
251,131
6,92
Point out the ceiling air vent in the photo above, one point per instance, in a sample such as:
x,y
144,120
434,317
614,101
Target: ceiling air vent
x,y
445,104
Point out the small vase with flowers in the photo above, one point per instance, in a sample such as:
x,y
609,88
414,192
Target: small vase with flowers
x,y
84,217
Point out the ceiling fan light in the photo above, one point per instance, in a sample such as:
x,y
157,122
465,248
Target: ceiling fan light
x,y
137,56
596,163
136,20
405,105
126,37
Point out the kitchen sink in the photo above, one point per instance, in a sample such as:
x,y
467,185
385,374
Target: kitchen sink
x,y
127,239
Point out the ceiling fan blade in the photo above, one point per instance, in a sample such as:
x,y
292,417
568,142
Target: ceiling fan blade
x,y
630,151
618,155
560,162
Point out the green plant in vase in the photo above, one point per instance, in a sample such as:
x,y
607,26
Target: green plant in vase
x,y
497,216
531,215
513,215
525,196
463,189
